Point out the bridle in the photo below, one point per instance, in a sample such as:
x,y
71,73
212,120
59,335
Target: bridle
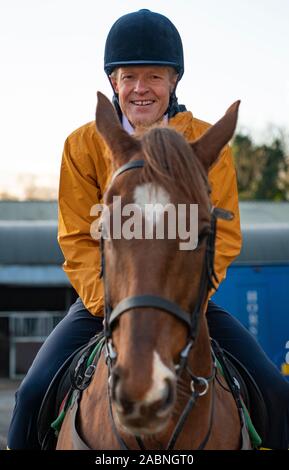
x,y
191,320
153,301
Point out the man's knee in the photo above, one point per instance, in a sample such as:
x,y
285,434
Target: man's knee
x,y
29,395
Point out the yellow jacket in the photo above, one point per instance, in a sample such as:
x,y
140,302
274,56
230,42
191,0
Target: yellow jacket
x,y
85,173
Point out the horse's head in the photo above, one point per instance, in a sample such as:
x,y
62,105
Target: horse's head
x,y
153,281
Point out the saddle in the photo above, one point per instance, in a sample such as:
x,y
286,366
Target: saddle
x,y
76,373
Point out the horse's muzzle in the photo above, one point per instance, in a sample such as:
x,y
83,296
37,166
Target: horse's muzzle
x,y
147,414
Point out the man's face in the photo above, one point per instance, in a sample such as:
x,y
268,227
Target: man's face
x,y
144,92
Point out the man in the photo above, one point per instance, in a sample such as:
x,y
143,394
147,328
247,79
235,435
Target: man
x,y
144,62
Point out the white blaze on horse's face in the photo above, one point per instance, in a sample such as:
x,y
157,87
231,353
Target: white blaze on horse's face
x,y
152,200
160,378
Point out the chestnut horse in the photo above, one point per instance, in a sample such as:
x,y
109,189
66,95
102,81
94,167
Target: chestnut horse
x,y
155,384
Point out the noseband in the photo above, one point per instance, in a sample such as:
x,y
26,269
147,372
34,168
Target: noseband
x,y
191,320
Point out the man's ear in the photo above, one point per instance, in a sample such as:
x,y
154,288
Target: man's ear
x,y
121,144
208,147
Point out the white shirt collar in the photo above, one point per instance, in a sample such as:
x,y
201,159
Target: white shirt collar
x,y
128,127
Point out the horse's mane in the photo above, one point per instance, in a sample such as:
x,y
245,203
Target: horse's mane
x,y
171,162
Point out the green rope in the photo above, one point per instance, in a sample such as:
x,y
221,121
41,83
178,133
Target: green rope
x,y
57,423
97,349
254,436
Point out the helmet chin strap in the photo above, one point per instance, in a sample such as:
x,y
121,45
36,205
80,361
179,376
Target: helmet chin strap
x,y
174,107
115,103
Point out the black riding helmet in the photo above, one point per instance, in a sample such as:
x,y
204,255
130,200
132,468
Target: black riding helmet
x,y
144,38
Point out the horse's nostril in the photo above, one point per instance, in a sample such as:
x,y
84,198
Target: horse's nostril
x,y
170,392
118,395
124,405
127,406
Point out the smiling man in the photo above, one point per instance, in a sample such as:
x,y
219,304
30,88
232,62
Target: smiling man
x,y
144,62
144,93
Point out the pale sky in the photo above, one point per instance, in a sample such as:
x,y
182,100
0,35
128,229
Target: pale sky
x,y
51,55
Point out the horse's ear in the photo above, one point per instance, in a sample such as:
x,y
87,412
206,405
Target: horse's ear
x,y
208,147
121,144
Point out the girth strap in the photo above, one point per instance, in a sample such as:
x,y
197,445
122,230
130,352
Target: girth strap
x,y
78,443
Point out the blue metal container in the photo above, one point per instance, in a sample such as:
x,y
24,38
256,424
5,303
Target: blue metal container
x,y
256,289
